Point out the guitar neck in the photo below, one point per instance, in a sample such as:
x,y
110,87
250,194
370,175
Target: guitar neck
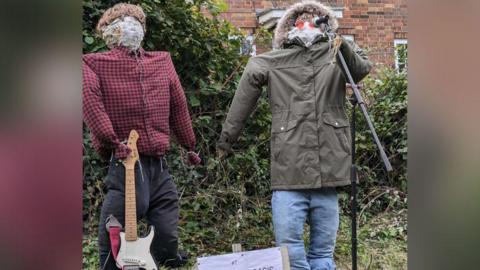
x,y
130,206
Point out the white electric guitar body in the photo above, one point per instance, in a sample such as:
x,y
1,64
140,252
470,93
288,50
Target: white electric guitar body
x,y
134,253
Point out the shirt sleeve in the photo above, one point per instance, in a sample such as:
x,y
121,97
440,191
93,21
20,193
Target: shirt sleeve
x,y
180,121
94,113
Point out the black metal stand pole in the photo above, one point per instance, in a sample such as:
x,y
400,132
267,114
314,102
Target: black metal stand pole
x,y
363,109
353,177
356,100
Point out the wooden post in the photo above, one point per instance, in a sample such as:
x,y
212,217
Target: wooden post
x,y
236,248
285,260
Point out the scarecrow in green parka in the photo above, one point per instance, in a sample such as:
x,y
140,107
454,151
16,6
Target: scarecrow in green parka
x,y
310,134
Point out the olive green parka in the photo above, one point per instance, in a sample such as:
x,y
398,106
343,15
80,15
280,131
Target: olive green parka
x,y
310,134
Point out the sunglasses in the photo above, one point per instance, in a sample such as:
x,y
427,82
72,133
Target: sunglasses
x,y
302,24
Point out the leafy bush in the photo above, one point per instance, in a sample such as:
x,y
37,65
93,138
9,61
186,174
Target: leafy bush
x,y
228,201
386,95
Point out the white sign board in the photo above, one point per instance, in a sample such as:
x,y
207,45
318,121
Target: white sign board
x,y
263,259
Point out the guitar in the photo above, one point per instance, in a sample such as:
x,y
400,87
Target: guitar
x,y
134,252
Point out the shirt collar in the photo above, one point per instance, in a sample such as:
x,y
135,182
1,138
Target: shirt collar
x,y
127,52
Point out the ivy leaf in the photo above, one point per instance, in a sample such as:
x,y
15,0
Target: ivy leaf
x,y
89,40
194,101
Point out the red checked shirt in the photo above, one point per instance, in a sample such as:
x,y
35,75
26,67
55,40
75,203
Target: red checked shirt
x,y
124,91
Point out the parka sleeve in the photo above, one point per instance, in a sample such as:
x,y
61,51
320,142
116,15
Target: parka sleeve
x,y
249,89
356,59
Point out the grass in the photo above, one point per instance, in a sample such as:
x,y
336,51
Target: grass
x,y
382,244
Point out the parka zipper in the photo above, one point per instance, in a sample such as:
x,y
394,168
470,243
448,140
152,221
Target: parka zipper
x,y
316,113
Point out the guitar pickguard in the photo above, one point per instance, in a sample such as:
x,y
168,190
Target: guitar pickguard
x,y
136,254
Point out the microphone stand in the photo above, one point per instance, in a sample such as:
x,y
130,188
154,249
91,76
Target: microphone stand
x,y
356,101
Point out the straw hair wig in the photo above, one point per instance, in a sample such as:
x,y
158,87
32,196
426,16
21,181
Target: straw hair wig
x,y
118,11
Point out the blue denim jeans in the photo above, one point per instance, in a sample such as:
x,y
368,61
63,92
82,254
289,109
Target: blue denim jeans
x,y
319,207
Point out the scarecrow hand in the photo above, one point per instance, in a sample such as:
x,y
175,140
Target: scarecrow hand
x,y
122,151
350,88
192,158
221,154
224,149
351,95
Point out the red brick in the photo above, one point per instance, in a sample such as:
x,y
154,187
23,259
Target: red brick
x,y
387,20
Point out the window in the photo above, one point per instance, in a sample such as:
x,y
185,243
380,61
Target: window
x,y
349,37
248,47
338,11
401,54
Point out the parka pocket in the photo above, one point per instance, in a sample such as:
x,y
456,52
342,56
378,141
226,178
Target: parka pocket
x,y
280,134
339,126
283,126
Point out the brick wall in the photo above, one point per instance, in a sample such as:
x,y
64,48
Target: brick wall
x,y
373,23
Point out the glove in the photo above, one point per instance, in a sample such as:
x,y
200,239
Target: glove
x,y
221,154
122,151
192,158
224,149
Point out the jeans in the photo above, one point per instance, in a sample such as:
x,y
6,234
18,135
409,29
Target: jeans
x,y
319,207
156,201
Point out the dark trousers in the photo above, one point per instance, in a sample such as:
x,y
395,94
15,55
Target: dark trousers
x,y
157,202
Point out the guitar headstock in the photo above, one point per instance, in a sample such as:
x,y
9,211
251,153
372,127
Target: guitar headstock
x,y
132,158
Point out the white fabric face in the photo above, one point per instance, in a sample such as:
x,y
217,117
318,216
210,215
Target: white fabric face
x,y
126,32
307,34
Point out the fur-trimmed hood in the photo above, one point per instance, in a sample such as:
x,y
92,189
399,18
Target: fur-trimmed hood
x,y
287,21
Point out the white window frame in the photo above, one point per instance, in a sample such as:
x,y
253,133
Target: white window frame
x,y
349,37
253,47
338,11
395,43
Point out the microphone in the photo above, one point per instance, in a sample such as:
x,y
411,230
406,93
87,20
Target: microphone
x,y
317,21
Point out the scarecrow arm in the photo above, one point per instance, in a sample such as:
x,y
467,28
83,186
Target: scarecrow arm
x,y
94,114
356,59
180,120
249,89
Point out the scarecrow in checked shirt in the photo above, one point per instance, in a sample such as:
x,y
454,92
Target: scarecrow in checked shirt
x,y
310,135
129,88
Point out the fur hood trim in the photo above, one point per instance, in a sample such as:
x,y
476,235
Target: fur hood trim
x,y
287,21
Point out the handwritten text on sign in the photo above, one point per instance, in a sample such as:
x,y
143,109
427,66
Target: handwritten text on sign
x,y
264,259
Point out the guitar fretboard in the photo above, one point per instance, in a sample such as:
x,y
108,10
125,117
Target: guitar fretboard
x,y
130,206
